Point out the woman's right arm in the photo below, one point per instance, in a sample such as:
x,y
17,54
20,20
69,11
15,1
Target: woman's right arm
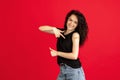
x,y
52,30
48,29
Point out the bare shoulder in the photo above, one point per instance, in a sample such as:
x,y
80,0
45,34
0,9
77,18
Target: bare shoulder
x,y
75,35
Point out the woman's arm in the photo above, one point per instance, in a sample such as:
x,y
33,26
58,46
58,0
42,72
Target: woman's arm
x,y
52,30
48,29
75,50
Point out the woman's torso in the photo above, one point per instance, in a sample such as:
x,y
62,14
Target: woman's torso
x,y
65,45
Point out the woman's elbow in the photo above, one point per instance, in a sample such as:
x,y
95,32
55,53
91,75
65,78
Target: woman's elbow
x,y
40,28
75,57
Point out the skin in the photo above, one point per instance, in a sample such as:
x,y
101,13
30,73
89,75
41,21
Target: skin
x,y
72,23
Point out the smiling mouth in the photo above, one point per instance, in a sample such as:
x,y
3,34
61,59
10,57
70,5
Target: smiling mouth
x,y
70,26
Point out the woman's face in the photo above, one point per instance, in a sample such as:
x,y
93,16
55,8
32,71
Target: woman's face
x,y
72,22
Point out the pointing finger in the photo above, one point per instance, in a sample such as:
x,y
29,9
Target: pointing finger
x,y
62,36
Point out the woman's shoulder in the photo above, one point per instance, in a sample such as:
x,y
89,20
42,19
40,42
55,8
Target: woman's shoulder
x,y
75,34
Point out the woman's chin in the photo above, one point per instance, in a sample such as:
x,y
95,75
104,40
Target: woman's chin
x,y
70,29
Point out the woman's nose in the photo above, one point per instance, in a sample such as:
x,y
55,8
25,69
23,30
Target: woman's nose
x,y
71,22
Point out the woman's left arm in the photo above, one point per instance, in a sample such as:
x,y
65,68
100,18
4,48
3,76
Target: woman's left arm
x,y
75,49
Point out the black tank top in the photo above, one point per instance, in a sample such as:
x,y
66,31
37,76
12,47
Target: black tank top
x,y
65,45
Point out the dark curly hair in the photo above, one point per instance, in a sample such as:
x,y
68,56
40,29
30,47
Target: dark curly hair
x,y
82,27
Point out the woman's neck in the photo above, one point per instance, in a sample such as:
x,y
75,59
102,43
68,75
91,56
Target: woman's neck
x,y
68,31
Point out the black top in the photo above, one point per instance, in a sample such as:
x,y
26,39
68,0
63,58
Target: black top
x,y
65,45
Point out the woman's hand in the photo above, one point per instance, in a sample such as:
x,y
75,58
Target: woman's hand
x,y
53,52
58,32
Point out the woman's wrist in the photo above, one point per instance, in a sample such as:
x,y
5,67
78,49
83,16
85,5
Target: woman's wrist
x,y
58,53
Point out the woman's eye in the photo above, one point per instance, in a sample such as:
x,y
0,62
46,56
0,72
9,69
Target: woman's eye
x,y
70,19
75,22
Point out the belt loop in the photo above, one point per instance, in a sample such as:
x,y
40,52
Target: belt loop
x,y
63,64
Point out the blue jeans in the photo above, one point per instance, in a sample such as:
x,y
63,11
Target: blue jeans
x,y
69,73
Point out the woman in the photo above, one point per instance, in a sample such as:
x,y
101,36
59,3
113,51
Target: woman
x,y
70,38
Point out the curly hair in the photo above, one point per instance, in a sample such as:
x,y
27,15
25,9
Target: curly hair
x,y
82,27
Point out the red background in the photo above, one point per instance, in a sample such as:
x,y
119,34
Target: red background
x,y
24,50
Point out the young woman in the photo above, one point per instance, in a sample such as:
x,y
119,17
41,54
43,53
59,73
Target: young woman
x,y
69,39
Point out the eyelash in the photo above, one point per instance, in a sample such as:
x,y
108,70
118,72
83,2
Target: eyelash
x,y
70,19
